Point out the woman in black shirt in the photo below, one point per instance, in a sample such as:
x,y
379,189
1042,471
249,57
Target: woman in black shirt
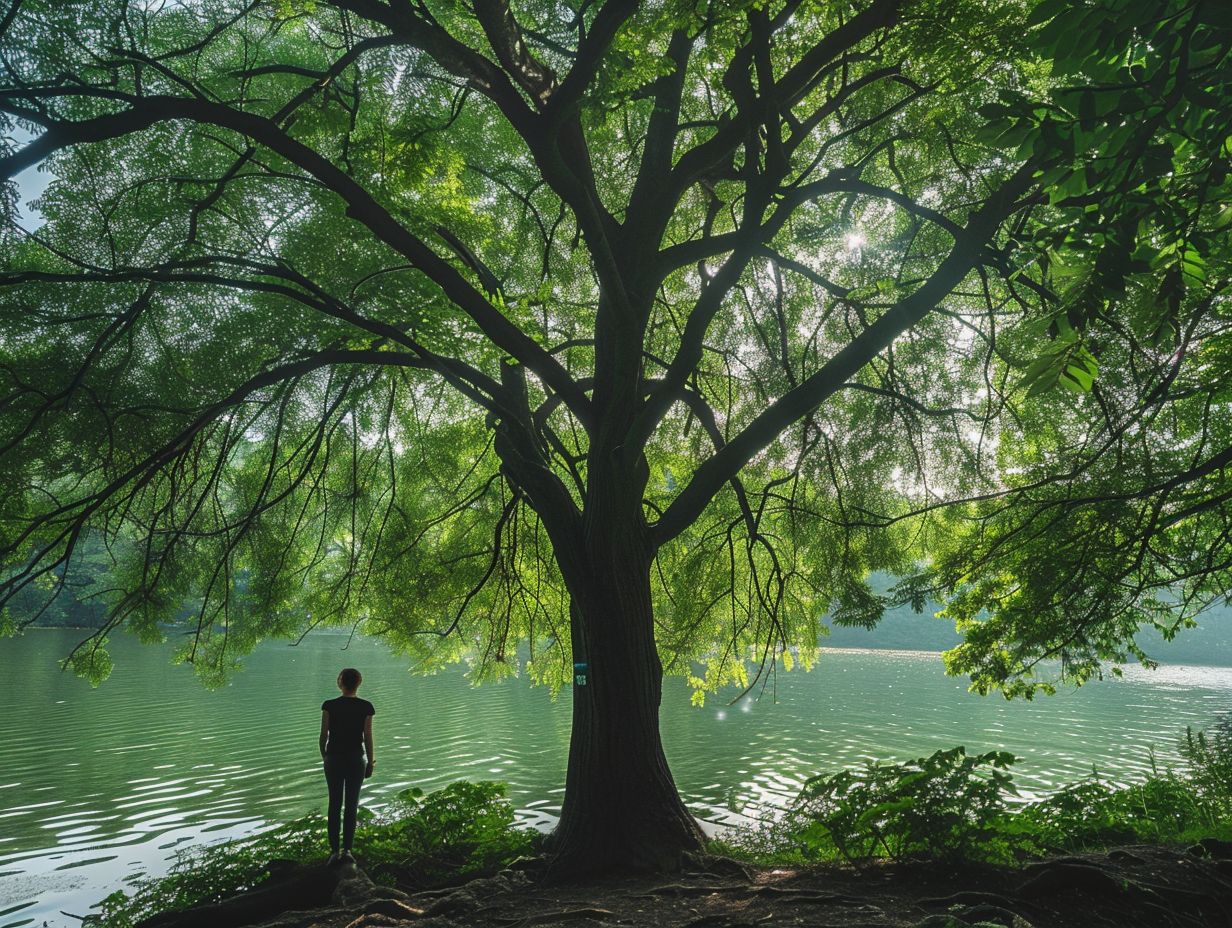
x,y
346,733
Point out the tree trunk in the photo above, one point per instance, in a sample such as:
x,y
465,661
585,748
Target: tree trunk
x,y
621,809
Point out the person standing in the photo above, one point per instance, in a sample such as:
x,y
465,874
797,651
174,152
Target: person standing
x,y
346,734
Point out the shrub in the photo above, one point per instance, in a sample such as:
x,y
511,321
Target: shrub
x,y
954,806
939,806
452,834
948,805
1208,758
211,873
1093,814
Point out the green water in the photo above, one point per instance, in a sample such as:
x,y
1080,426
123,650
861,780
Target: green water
x,y
100,785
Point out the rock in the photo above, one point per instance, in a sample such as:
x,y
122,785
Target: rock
x,y
354,887
1060,877
515,878
992,914
281,867
291,887
459,902
940,921
1220,850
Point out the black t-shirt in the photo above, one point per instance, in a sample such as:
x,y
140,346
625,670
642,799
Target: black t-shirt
x,y
346,724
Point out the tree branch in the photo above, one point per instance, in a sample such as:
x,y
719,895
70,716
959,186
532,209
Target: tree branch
x,y
361,205
797,403
505,36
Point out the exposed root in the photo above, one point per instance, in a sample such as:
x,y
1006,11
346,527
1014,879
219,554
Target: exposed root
x,y
1060,877
718,921
547,918
693,889
375,920
1137,887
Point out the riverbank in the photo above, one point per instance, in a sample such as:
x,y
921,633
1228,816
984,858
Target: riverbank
x,y
1127,887
120,788
877,847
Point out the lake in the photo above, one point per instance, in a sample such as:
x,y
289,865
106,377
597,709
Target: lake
x,y
101,785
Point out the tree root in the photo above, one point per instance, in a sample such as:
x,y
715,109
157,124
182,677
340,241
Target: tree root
x,y
692,889
375,920
719,920
966,898
788,894
806,896
290,888
1059,877
393,908
547,918
717,865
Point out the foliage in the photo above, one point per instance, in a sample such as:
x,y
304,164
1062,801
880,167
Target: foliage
x,y
67,599
210,873
459,831
322,293
1208,757
942,806
946,807
1113,509
462,830
1164,809
478,324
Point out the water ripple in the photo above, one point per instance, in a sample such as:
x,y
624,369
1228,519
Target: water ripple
x,y
151,762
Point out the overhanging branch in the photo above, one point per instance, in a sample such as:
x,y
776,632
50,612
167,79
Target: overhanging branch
x,y
800,401
361,206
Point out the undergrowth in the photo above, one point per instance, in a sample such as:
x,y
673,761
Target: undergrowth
x,y
463,830
960,807
947,806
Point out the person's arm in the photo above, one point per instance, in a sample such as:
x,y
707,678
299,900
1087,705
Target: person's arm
x,y
368,745
324,729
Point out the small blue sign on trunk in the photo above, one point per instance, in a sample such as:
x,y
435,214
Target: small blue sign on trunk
x,y
579,674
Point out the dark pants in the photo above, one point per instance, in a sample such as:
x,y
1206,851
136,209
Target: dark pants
x,y
344,773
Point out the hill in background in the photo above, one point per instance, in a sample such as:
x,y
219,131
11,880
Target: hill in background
x,y
902,629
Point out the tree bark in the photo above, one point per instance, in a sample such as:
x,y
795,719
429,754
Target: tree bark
x,y
621,809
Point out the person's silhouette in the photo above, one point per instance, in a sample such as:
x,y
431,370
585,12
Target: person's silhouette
x,y
346,733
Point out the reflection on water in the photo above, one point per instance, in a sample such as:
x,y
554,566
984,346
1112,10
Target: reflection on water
x,y
100,785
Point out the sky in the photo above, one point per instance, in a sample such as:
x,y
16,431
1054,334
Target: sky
x,y
30,184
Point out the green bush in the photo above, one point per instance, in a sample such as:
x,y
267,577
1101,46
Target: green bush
x,y
941,806
1208,757
211,873
948,805
954,806
1165,809
454,833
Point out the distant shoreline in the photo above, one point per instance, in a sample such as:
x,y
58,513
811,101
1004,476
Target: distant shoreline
x,y
857,649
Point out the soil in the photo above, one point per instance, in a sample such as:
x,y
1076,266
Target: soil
x,y
1146,886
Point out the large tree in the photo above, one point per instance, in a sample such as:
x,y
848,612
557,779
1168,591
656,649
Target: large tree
x,y
640,333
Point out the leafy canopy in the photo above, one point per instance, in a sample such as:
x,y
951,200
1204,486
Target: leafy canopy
x,y
334,304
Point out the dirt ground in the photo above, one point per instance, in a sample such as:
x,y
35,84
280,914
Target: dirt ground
x,y
1144,886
